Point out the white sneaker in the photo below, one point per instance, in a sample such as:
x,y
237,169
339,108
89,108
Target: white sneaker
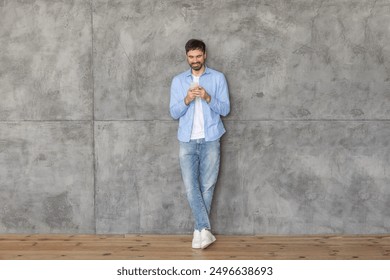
x,y
196,241
206,238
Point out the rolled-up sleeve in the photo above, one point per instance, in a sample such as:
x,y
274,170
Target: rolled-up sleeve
x,y
220,103
177,107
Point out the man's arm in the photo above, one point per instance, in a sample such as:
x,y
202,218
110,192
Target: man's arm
x,y
177,106
220,102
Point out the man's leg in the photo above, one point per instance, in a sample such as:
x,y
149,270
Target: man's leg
x,y
208,171
209,168
189,163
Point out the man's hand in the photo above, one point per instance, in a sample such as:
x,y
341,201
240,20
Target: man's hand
x,y
197,92
190,96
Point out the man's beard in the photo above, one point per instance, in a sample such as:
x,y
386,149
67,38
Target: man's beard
x,y
196,66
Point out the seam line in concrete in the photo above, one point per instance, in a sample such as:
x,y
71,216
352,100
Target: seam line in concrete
x,y
44,121
224,120
265,120
93,122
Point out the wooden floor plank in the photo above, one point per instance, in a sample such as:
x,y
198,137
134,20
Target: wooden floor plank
x,y
155,247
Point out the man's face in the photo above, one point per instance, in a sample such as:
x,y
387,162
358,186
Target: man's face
x,y
196,59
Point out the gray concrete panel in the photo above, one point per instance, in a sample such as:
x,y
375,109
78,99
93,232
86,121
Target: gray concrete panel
x,y
304,178
311,60
45,60
138,182
46,177
136,57
283,59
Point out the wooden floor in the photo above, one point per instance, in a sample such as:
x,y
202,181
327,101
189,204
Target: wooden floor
x,y
157,247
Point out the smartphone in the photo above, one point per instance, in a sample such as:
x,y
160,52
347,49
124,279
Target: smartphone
x,y
194,85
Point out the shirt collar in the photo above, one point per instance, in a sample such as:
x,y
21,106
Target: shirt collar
x,y
206,71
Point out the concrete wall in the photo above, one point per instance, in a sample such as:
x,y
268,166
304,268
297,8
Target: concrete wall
x,y
87,144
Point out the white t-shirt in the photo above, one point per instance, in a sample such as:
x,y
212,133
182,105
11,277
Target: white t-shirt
x,y
198,124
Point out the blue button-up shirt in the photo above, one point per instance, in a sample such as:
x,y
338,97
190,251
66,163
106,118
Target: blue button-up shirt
x,y
215,84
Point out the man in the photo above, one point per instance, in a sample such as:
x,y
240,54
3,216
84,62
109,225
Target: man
x,y
199,96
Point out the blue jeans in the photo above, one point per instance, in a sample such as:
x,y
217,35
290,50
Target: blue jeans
x,y
199,162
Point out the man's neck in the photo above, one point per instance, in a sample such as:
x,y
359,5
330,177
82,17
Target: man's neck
x,y
199,72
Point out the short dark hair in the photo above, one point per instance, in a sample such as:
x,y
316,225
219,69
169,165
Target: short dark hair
x,y
195,44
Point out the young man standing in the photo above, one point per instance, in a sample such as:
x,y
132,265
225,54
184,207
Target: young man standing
x,y
199,96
